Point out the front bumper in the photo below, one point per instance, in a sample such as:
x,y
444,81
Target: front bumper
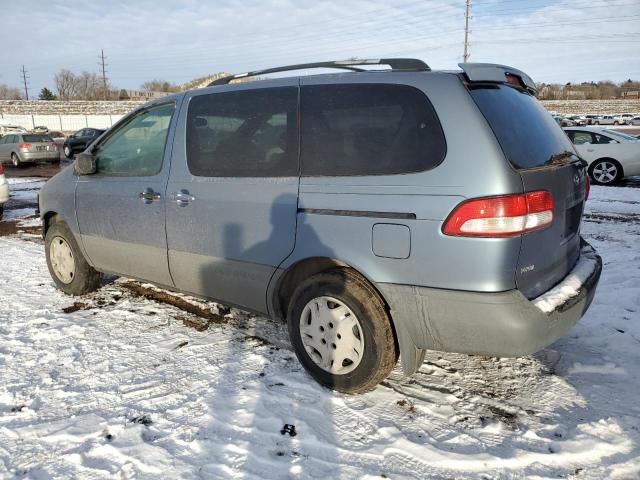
x,y
502,324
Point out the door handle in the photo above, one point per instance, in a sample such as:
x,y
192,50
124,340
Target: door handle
x,y
148,195
589,149
182,198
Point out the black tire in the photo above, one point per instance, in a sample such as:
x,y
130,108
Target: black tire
x,y
1,211
15,160
68,151
85,278
380,348
596,123
618,176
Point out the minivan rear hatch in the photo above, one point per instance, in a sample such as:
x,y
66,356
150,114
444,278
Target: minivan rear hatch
x,y
544,157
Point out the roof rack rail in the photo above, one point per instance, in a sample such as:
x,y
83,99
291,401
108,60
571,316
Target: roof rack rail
x,y
397,64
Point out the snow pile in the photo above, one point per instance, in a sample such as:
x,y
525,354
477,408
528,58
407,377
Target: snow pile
x,y
572,283
115,385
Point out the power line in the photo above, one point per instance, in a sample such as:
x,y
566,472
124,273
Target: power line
x,y
104,75
465,56
24,80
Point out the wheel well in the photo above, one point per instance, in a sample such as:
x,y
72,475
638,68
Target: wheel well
x,y
48,219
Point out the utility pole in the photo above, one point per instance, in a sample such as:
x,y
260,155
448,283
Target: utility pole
x,y
104,74
24,80
466,31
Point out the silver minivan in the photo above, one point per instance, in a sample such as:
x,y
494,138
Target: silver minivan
x,y
380,212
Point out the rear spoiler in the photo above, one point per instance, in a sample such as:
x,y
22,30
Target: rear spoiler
x,y
491,72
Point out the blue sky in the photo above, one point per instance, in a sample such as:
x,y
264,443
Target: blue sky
x,y
177,40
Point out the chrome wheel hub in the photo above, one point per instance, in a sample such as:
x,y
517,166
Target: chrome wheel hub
x,y
62,261
332,335
605,172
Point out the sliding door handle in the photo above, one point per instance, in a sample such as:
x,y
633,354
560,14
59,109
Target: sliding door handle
x,y
148,195
182,198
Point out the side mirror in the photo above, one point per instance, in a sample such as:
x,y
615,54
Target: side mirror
x,y
85,164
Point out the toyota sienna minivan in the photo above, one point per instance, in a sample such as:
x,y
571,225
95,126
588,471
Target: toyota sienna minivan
x,y
381,212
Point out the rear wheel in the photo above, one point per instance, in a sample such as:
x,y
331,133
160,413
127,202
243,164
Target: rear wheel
x,y
67,266
605,171
15,160
341,332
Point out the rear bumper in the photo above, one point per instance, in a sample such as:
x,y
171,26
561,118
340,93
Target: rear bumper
x,y
503,324
39,156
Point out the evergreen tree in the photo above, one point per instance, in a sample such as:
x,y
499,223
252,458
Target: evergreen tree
x,y
46,94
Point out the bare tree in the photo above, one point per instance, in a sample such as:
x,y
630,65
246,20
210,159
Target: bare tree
x,y
160,86
66,84
85,86
9,93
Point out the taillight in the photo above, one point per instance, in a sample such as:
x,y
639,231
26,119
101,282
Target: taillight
x,y
1,169
24,145
587,188
503,216
54,145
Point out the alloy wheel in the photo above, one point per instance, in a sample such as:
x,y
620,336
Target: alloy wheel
x,y
605,172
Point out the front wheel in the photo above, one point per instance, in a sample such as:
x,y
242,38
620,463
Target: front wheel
x,y
67,266
605,172
67,151
341,332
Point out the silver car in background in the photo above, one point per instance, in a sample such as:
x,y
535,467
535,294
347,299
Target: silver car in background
x,y
28,147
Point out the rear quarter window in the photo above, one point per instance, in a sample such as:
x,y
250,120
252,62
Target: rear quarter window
x,y
368,129
527,133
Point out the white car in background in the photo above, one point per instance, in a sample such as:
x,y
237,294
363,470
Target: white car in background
x,y
605,120
6,129
611,155
624,118
4,190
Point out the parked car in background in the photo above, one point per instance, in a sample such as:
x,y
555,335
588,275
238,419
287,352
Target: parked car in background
x,y
347,204
28,147
605,120
57,137
635,121
40,129
4,190
623,119
80,140
563,121
5,129
611,155
590,118
578,120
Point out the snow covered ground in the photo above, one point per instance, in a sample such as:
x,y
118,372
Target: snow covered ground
x,y
115,385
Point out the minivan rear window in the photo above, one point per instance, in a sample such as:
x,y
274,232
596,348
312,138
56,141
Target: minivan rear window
x,y
368,129
527,133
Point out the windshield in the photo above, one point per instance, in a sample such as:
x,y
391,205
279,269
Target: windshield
x,y
36,138
528,135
